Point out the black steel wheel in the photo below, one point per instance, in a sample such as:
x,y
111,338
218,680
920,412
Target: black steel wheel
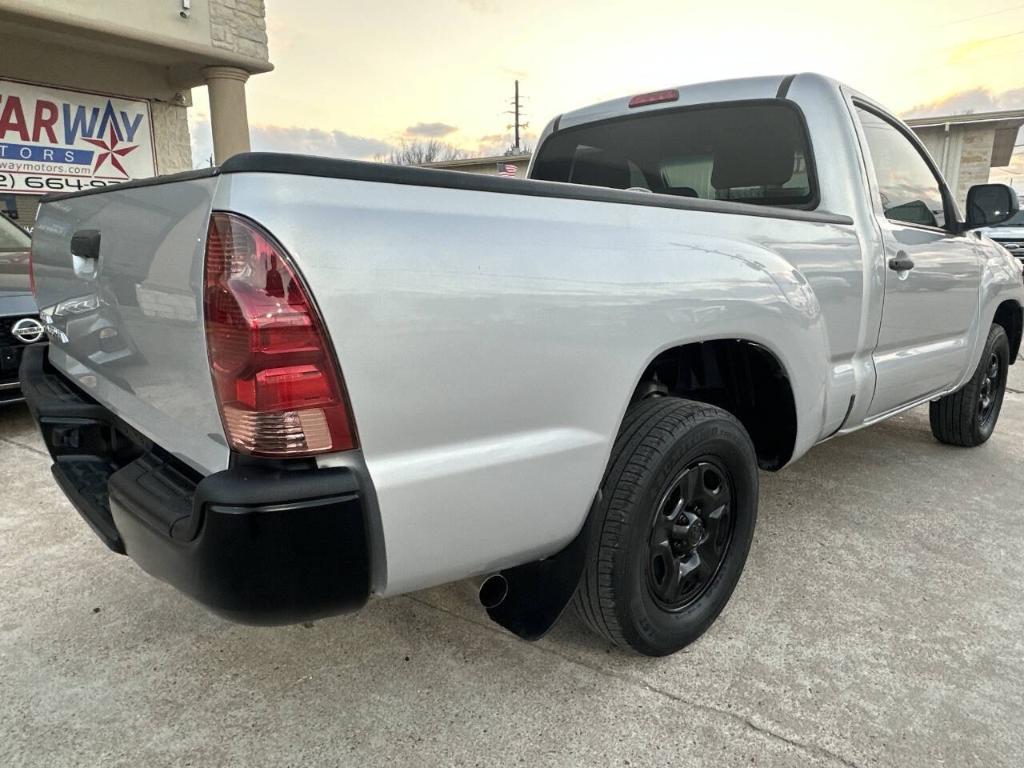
x,y
991,389
672,525
968,416
690,534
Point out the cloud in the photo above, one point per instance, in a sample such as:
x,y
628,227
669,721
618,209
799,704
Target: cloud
x,y
498,143
481,6
201,139
278,138
430,130
313,141
971,100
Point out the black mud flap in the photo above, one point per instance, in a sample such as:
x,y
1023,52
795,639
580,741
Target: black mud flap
x,y
539,592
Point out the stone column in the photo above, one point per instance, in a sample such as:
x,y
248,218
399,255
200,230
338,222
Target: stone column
x,y
228,118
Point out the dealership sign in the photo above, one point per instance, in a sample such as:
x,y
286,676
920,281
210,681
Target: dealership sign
x,y
53,140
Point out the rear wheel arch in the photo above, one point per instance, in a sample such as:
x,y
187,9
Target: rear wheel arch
x,y
740,376
755,390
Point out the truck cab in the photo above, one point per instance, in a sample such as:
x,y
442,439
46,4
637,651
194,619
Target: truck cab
x,y
901,310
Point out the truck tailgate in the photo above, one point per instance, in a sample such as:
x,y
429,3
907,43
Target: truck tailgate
x,y
126,323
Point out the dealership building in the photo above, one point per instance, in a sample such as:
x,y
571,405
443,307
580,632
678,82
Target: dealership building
x,y
967,147
94,93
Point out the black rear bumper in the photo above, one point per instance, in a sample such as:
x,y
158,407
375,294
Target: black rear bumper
x,y
260,543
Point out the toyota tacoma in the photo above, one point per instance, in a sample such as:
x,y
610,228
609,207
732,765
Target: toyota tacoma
x,y
290,383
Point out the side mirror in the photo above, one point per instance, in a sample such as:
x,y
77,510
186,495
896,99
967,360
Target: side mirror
x,y
990,204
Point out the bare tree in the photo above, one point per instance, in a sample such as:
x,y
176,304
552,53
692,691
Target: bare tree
x,y
525,148
418,152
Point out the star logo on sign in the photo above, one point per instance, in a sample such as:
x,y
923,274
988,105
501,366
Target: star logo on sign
x,y
112,150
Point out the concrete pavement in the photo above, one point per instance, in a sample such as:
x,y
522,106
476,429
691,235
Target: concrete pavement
x,y
879,622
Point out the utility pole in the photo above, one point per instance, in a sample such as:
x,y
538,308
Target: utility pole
x,y
516,101
517,112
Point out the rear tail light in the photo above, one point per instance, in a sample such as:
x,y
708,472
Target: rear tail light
x,y
657,97
278,387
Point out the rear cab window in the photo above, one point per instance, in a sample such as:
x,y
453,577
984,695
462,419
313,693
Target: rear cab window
x,y
747,152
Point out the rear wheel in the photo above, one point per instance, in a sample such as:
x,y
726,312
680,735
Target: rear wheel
x,y
968,416
673,526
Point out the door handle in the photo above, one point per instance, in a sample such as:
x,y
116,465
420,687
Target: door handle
x,y
901,262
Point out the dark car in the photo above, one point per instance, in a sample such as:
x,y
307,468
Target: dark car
x,y
19,321
1010,234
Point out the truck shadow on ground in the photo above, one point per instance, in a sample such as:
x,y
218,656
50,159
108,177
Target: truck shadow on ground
x,y
818,505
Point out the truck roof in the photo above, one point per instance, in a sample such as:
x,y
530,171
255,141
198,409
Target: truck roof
x,y
767,87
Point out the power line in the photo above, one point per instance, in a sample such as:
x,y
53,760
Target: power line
x,y
981,16
997,37
996,53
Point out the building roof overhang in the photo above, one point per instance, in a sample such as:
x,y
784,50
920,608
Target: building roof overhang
x,y
1006,124
183,59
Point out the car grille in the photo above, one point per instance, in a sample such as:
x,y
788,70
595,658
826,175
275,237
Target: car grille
x,y
1015,247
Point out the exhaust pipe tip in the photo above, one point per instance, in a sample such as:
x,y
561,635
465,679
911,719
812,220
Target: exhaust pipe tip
x,y
493,591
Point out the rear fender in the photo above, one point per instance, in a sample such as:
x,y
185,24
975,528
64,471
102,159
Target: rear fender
x,y
539,592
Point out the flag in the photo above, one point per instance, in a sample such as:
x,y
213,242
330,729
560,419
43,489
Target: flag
x,y
506,169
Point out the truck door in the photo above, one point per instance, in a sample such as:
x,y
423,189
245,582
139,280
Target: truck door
x,y
932,276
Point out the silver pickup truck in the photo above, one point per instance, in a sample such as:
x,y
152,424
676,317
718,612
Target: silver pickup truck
x,y
290,383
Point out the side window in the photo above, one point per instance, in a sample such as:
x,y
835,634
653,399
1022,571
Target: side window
x,y
909,190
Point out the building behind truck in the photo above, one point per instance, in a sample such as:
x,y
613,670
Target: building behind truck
x,y
93,94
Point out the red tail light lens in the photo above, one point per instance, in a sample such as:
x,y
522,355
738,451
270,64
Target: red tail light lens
x,y
278,387
657,97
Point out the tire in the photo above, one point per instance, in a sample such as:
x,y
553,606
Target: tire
x,y
968,416
628,592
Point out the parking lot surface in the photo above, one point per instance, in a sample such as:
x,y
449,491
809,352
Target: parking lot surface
x,y
879,622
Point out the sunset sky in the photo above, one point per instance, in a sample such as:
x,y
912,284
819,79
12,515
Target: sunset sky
x,y
353,79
